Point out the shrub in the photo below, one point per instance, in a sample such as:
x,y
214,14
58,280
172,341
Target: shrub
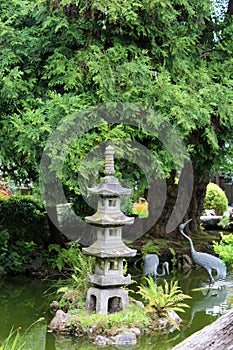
x,y
23,230
226,222
17,257
224,248
24,218
216,199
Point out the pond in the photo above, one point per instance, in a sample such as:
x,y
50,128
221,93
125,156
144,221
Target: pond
x,y
24,301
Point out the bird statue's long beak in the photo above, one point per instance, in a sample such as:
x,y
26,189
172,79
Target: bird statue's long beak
x,y
182,226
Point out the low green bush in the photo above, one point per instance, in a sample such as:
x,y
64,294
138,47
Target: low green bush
x,y
23,233
226,222
15,257
111,323
24,218
216,199
19,256
224,248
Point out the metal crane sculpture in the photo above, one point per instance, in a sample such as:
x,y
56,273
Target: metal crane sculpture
x,y
208,261
151,264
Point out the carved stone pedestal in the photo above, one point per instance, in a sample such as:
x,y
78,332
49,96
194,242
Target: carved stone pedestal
x,y
104,301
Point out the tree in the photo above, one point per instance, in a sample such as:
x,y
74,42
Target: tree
x,y
62,57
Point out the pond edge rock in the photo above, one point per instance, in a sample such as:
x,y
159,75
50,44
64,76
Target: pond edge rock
x,y
61,324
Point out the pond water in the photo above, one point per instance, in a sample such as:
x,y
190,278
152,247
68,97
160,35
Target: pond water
x,y
24,301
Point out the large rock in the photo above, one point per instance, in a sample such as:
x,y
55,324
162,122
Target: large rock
x,y
58,322
101,340
210,221
127,338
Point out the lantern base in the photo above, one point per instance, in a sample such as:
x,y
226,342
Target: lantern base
x,y
105,301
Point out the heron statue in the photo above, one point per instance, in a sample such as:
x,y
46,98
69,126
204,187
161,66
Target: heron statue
x,y
208,261
151,263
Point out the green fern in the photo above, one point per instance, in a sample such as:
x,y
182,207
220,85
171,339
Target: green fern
x,y
162,299
75,265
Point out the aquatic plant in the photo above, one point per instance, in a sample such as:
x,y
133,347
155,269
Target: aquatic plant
x,y
13,341
16,340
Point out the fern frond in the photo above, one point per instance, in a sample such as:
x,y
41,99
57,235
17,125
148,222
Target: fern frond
x,y
161,299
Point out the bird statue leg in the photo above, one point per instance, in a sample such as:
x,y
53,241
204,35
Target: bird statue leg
x,y
209,271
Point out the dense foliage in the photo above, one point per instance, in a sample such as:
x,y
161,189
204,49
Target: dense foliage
x,y
23,234
60,57
224,248
24,218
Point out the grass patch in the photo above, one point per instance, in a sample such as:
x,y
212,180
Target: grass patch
x,y
134,316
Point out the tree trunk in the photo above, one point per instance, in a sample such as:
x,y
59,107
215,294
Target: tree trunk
x,y
159,228
56,236
197,203
230,8
193,212
216,336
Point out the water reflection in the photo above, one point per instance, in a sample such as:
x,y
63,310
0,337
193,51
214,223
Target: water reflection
x,y
23,301
207,303
209,300
22,305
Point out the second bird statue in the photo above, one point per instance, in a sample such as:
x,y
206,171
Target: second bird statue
x,y
208,261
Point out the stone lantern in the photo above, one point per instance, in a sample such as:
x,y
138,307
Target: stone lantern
x,y
109,249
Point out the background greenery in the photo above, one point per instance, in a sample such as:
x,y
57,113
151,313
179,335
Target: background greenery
x,y
24,233
24,217
175,57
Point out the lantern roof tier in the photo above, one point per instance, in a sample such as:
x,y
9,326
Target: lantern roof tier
x,y
106,250
109,186
103,218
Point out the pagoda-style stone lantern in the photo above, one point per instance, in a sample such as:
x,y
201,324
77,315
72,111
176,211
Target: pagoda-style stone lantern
x,y
109,249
